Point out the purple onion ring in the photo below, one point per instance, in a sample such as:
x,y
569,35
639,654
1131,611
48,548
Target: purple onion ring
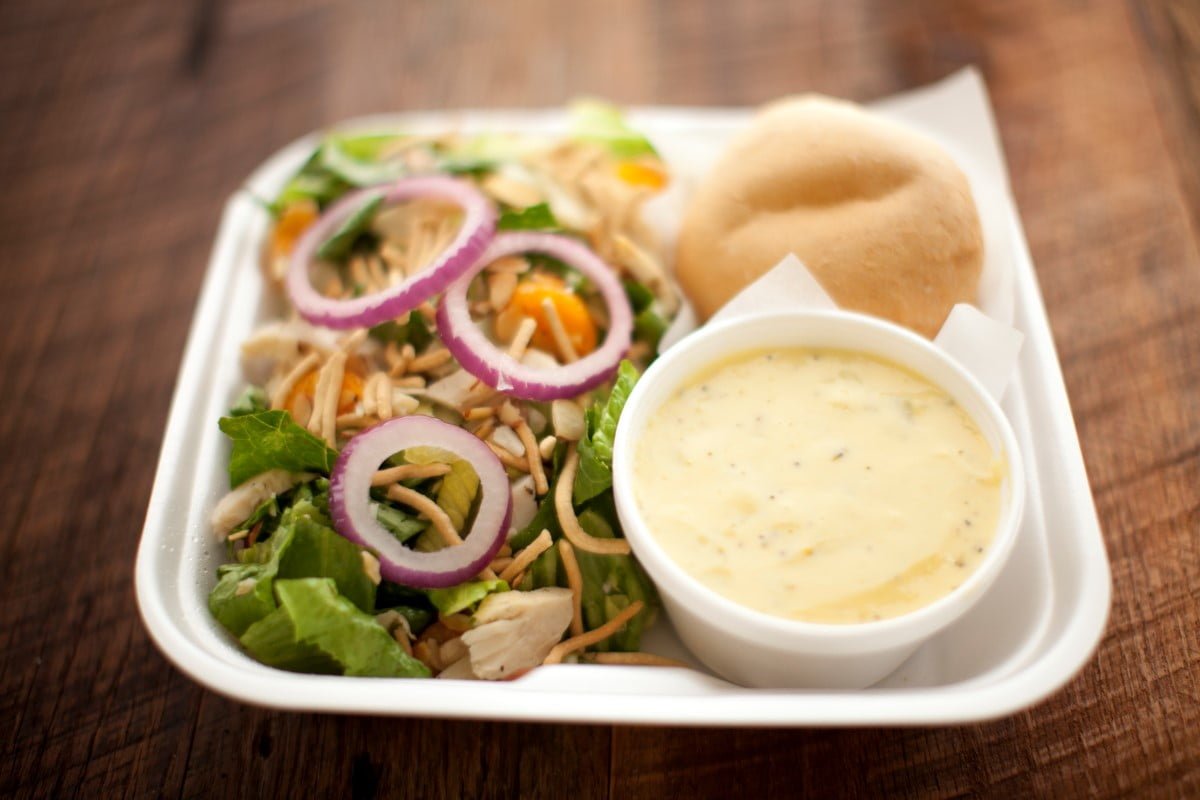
x,y
353,511
477,355
479,223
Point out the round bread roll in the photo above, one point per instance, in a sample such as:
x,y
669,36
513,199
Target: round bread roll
x,y
880,215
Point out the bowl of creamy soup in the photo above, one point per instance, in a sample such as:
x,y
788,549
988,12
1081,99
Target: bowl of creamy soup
x,y
815,494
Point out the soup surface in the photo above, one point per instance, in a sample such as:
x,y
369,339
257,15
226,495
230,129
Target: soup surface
x,y
819,485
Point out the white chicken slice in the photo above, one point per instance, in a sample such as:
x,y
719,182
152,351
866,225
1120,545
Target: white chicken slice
x,y
241,502
280,342
524,504
514,631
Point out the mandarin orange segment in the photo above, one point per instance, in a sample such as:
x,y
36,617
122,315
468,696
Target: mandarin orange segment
x,y
306,387
527,302
641,173
291,225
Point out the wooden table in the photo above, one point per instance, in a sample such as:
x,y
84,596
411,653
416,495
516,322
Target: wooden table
x,y
126,125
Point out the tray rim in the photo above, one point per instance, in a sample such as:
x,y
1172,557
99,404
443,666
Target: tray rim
x,y
1047,672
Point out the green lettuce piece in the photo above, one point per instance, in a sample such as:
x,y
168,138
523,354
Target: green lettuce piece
x,y
251,401
484,152
610,584
314,550
603,123
455,598
303,546
412,604
594,474
237,605
314,629
356,159
536,217
649,327
457,493
272,440
542,572
313,182
338,245
401,525
640,296
546,518
415,332
337,165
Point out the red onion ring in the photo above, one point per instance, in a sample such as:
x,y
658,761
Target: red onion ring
x,y
353,512
479,223
478,356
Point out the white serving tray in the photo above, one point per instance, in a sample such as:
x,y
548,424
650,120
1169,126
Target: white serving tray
x,y
1033,631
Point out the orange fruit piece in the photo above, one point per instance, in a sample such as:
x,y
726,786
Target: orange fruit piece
x,y
352,387
527,301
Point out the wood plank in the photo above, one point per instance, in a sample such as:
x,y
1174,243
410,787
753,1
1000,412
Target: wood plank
x,y
126,124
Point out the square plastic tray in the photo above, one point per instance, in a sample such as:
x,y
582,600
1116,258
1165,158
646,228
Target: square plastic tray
x,y
1035,628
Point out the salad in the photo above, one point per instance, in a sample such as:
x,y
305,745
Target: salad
x,y
420,465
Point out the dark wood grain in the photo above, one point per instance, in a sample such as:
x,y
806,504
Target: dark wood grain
x,y
126,124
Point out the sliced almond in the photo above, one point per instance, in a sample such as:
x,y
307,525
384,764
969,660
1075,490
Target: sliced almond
x,y
568,420
507,438
501,286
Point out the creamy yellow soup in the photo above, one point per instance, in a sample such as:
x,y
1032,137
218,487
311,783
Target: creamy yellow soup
x,y
819,485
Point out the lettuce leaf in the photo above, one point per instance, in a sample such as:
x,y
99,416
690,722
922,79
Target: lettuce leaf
x,y
242,595
251,401
271,439
604,123
401,525
594,474
339,163
545,518
314,629
455,598
610,584
304,546
415,332
313,182
341,242
356,159
536,217
542,572
316,551
649,327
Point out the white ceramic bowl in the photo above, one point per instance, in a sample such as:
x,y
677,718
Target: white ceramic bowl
x,y
757,649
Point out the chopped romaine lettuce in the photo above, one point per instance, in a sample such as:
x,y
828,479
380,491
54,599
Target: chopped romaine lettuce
x,y
314,629
457,492
640,296
304,546
338,164
594,474
314,550
339,245
313,182
412,604
242,595
536,217
251,401
610,584
272,440
649,327
401,525
546,518
542,572
415,332
465,595
356,159
603,123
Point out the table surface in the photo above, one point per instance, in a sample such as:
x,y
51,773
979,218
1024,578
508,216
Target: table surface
x,y
126,125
